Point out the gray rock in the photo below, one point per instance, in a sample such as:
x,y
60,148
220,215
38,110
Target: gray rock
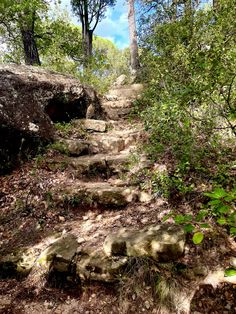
x,y
92,125
30,99
161,242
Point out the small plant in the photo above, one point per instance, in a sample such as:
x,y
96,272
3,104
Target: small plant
x,y
71,200
64,128
60,147
222,207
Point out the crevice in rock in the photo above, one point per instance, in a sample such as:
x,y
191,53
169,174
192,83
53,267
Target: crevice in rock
x,y
62,109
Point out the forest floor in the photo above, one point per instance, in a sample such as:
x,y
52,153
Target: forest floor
x,y
193,284
27,220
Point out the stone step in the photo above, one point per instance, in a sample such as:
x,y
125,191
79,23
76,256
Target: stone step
x,y
116,113
91,124
100,163
112,142
92,193
96,143
127,91
117,104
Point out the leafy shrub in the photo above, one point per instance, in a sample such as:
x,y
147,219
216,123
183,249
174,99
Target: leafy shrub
x,y
221,208
190,103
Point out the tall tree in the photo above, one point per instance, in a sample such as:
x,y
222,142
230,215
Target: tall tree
x,y
134,59
19,18
90,12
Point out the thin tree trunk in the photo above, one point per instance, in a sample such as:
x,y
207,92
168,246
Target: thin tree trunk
x,y
134,59
174,11
30,48
88,36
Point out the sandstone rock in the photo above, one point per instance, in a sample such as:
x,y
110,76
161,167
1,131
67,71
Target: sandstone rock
x,y
95,265
18,263
116,105
121,80
99,164
102,144
115,113
30,99
127,91
144,197
92,125
59,254
97,192
73,147
161,242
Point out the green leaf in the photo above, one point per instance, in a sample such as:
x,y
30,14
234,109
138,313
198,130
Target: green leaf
x,y
217,193
202,214
204,226
214,202
223,209
221,221
233,231
230,272
188,228
198,237
179,219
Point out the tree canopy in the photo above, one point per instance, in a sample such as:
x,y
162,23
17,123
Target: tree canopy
x,y
90,14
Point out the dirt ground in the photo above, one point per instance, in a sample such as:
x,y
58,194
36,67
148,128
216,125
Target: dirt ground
x,y
28,217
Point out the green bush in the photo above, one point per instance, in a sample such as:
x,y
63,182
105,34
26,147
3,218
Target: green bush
x,y
190,104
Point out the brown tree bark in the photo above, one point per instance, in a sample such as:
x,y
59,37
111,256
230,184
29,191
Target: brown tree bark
x,y
134,58
30,48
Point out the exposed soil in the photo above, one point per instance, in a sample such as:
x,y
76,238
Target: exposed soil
x,y
28,219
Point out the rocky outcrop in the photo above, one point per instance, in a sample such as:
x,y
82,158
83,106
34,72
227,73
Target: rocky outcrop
x,y
31,99
66,255
161,242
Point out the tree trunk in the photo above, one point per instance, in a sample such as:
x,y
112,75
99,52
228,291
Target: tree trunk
x,y
89,43
134,59
174,11
30,48
87,35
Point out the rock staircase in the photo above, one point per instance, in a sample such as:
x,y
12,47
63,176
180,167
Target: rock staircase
x,y
103,155
96,162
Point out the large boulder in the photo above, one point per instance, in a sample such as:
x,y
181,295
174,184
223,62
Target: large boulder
x,y
31,99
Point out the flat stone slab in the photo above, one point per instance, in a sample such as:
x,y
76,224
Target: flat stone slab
x,y
106,144
100,193
73,147
161,242
92,125
96,143
127,91
116,103
99,162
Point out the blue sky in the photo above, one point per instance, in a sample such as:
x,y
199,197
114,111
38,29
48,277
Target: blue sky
x,y
114,26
